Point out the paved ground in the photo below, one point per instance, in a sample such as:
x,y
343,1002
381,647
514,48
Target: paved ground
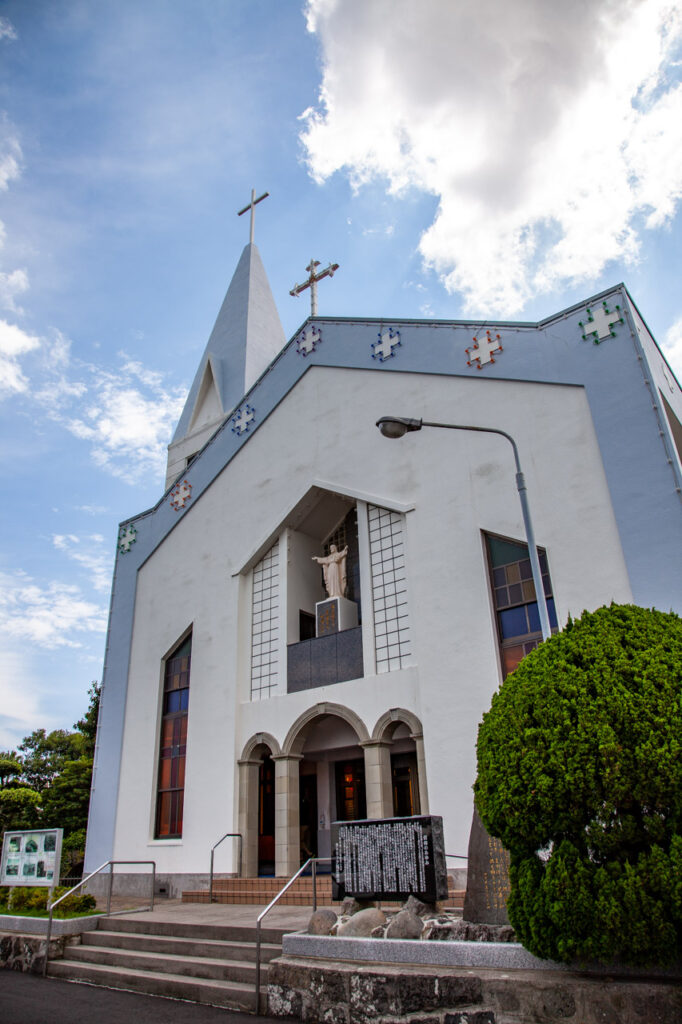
x,y
27,999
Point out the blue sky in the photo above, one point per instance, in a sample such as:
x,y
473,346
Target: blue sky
x,y
472,160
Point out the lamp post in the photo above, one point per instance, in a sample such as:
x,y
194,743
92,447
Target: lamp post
x,y
398,426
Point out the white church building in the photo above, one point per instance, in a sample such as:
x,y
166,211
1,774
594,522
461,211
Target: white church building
x,y
229,703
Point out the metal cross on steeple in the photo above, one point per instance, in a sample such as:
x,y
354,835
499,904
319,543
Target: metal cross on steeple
x,y
312,283
252,206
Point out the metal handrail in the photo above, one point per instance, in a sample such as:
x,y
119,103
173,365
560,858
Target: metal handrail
x,y
107,864
456,856
312,862
233,835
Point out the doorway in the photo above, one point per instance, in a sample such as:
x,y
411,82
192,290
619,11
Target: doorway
x,y
266,817
351,800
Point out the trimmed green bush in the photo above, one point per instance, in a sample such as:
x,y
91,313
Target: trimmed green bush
x,y
580,776
28,899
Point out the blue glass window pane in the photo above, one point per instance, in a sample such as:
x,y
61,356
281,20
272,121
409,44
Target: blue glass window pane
x,y
513,622
184,699
534,615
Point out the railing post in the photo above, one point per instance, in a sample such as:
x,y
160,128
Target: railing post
x,y
210,878
314,867
111,885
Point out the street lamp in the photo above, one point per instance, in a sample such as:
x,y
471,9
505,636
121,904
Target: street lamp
x,y
398,426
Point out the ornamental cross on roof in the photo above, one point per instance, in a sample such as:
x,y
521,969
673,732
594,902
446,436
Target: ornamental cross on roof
x,y
312,282
252,206
483,350
599,323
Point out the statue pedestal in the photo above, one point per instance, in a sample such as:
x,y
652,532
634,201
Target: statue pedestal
x,y
334,615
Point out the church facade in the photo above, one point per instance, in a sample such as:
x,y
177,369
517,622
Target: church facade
x,y
230,705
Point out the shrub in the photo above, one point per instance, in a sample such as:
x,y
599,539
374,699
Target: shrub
x,y
580,776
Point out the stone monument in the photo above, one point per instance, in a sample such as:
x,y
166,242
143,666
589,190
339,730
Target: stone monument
x,y
389,859
487,877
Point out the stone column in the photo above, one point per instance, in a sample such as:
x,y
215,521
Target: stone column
x,y
248,816
421,772
378,785
287,815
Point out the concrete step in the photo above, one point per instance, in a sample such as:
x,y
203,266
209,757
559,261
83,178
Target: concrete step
x,y
210,968
223,932
227,994
180,945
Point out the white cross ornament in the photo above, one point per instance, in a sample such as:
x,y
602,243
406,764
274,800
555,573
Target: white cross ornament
x,y
483,350
126,538
180,495
599,323
388,340
308,340
242,420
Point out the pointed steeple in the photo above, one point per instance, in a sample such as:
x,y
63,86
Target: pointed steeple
x,y
247,336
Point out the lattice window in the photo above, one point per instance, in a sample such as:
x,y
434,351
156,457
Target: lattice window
x,y
265,626
389,589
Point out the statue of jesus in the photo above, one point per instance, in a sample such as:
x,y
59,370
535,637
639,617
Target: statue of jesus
x,y
334,569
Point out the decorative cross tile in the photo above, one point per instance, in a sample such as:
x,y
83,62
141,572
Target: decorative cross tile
x,y
308,340
387,341
126,538
242,420
599,323
483,350
180,495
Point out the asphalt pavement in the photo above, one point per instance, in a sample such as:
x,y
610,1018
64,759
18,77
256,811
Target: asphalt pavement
x,y
31,999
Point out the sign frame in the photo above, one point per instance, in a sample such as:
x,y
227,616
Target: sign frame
x,y
27,852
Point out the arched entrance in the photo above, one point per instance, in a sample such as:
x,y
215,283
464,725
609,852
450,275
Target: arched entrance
x,y
257,803
398,736
326,746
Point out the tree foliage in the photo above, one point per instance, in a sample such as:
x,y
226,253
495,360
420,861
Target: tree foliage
x,y
580,776
46,783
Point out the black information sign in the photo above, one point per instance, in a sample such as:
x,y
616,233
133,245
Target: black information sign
x,y
389,859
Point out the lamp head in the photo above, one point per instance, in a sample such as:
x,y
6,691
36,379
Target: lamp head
x,y
397,426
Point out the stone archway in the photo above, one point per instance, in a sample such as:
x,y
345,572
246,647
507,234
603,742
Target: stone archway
x,y
383,735
258,748
304,770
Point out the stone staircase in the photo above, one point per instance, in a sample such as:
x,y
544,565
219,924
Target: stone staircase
x,y
261,891
213,964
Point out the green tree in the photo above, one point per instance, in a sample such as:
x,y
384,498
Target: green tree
x,y
44,755
66,801
87,725
580,776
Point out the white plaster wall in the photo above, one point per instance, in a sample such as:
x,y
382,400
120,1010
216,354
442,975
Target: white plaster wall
x,y
303,580
459,484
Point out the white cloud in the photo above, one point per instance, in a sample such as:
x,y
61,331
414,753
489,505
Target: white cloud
x,y
7,29
12,285
128,419
672,346
48,616
10,154
14,343
89,553
549,131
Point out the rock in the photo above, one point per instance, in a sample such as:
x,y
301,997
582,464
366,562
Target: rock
x,y
361,924
415,906
322,922
405,925
439,931
351,906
